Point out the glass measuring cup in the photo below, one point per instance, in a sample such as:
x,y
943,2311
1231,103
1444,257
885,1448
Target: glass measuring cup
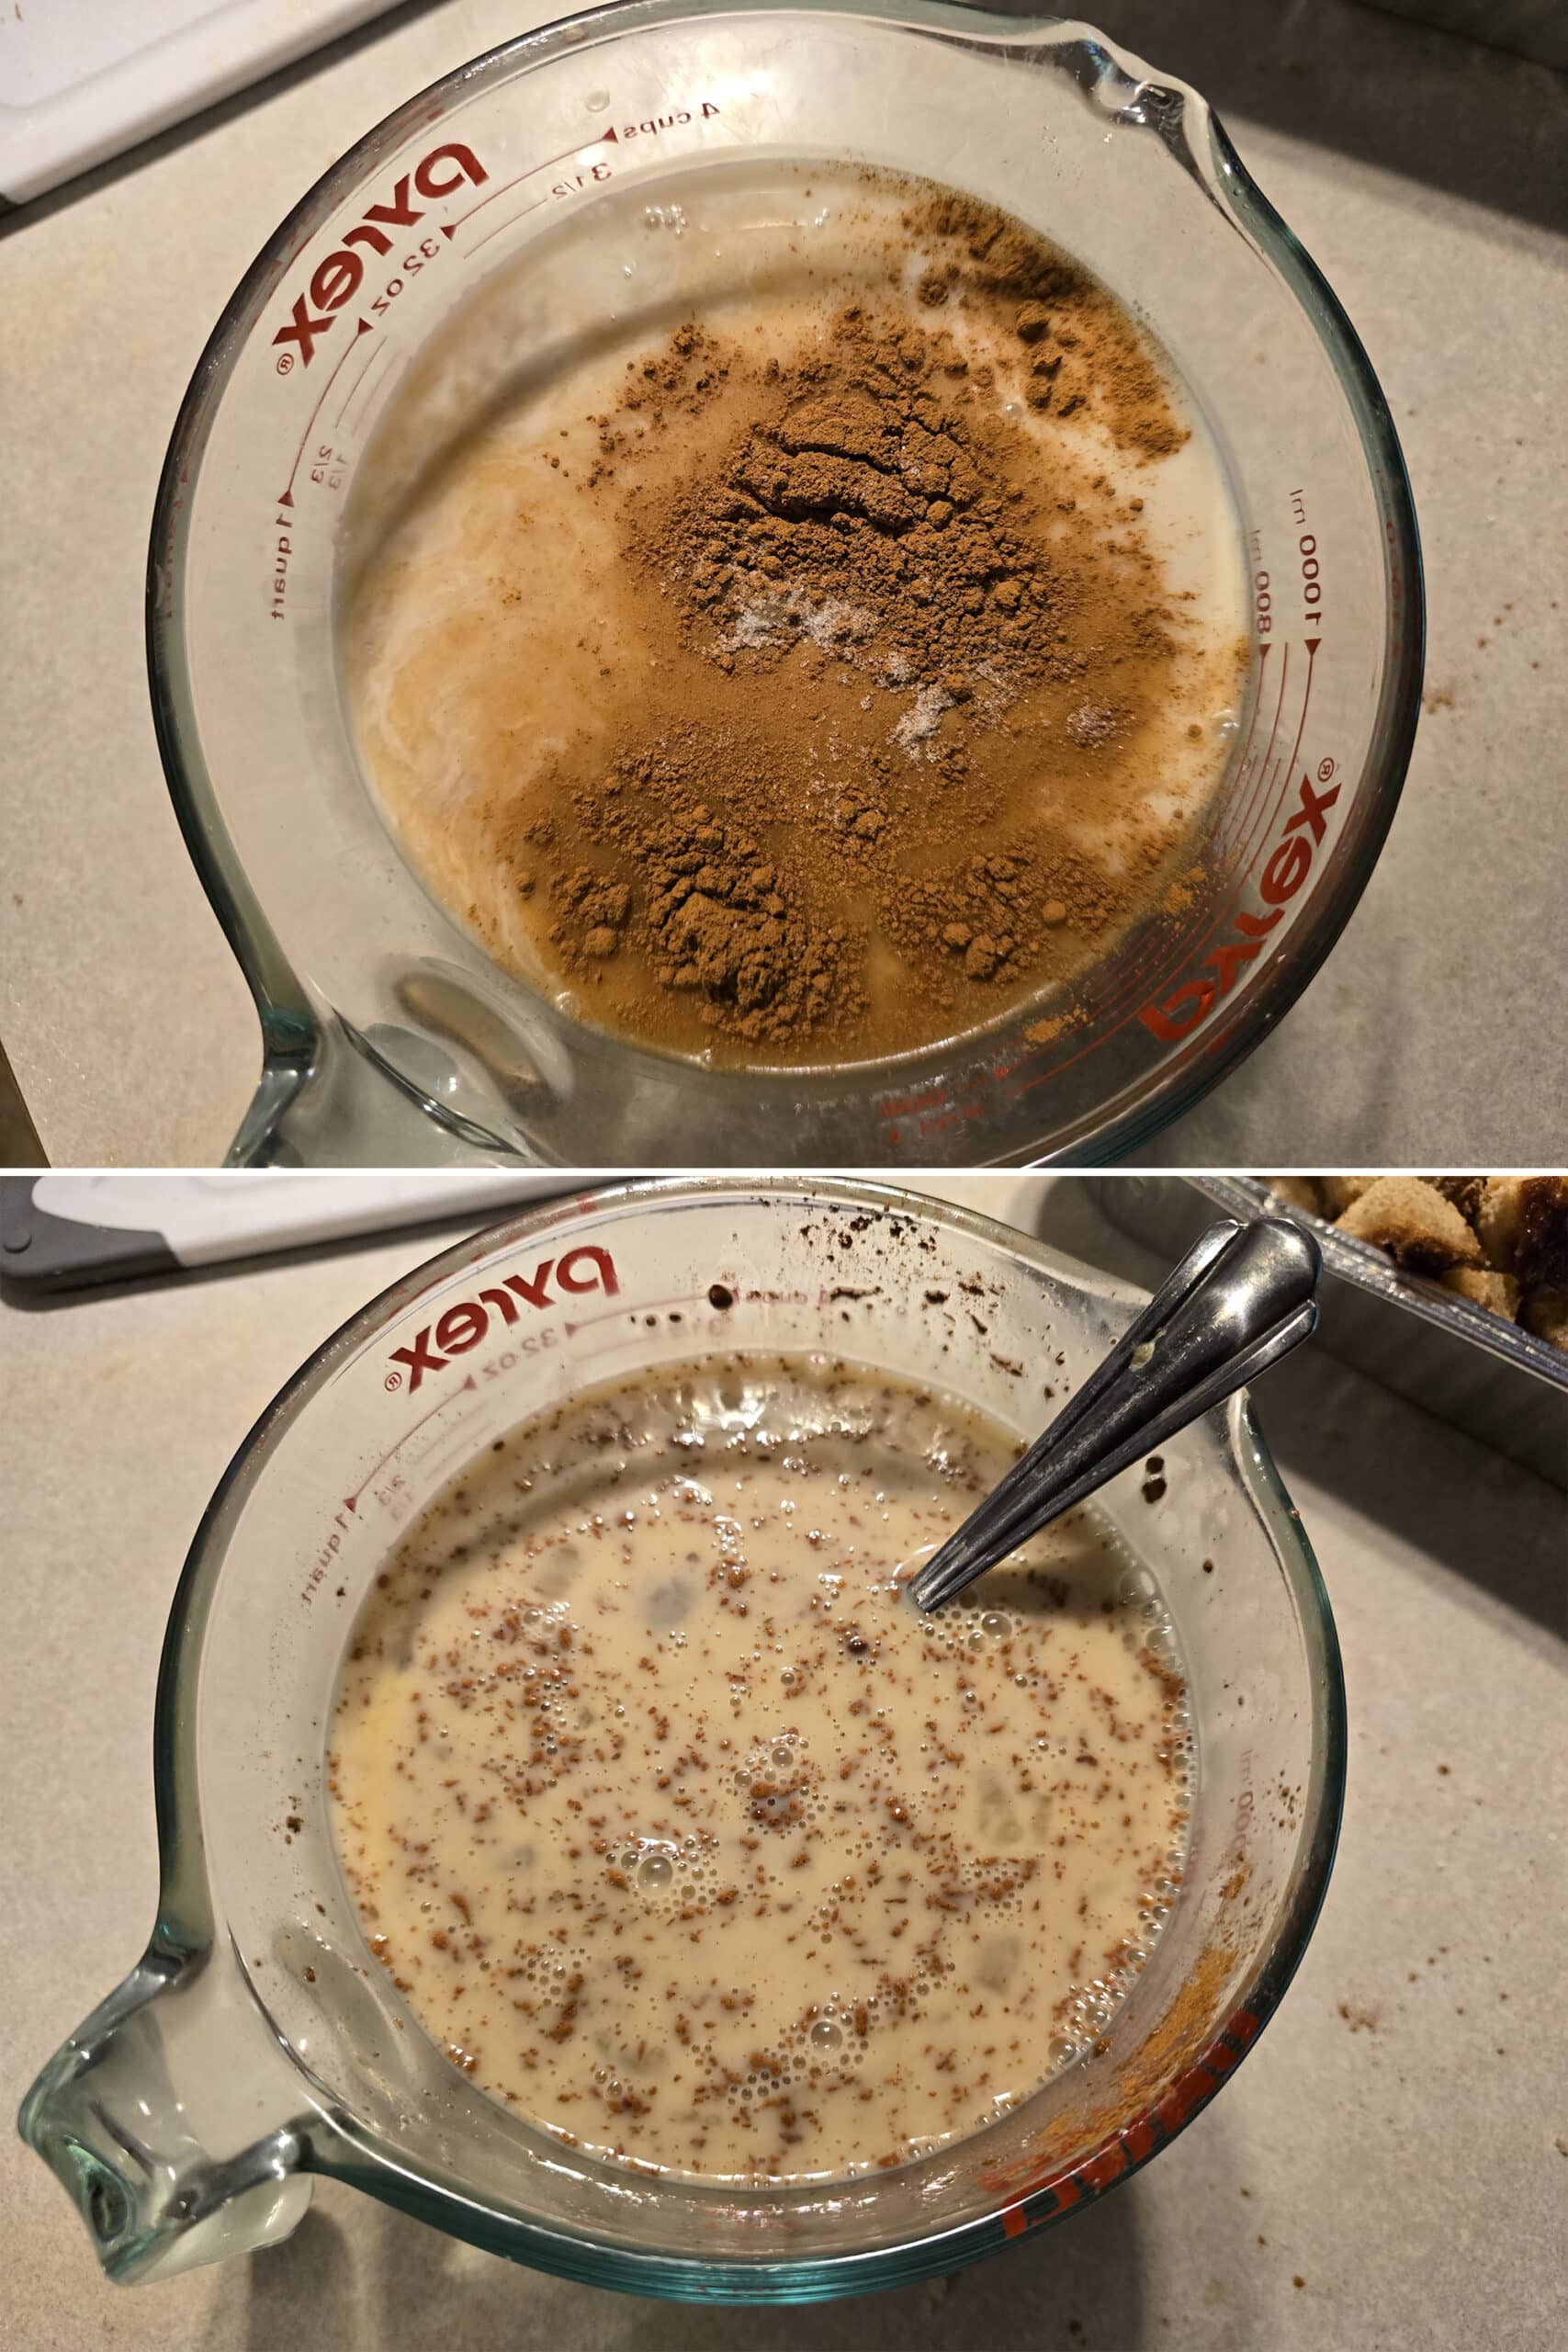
x,y
389,1033
258,2042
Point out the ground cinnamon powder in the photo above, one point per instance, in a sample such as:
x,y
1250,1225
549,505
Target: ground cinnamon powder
x,y
906,663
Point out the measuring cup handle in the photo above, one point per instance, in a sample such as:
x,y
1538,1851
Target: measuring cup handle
x,y
326,1100
174,2120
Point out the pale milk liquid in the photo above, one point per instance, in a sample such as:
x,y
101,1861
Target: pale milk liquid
x,y
690,1840
487,630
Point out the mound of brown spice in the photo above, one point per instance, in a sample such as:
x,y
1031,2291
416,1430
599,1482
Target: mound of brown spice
x,y
910,667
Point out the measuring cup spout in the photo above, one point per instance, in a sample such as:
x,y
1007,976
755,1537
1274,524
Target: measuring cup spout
x,y
173,2120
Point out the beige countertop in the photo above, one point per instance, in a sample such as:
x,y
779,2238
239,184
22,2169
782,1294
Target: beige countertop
x,y
1387,2173
1428,177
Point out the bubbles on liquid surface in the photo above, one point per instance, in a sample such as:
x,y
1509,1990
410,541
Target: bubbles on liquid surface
x,y
666,1873
1159,1641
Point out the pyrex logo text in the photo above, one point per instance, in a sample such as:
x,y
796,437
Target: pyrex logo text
x,y
1288,867
462,1327
336,280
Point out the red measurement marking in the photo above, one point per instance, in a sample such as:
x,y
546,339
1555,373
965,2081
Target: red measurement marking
x,y
1311,645
362,423
1266,812
1285,767
351,1502
1254,823
1232,820
501,226
288,497
450,228
1260,818
377,351
1244,813
1127,963
1261,825
1187,952
1126,972
1278,706
634,1314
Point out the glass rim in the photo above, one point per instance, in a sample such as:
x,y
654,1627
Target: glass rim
x,y
290,1015
189,1926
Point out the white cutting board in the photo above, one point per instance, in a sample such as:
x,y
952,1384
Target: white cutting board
x,y
80,80
99,1227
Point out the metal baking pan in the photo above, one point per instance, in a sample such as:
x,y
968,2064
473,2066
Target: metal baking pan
x,y
1469,1368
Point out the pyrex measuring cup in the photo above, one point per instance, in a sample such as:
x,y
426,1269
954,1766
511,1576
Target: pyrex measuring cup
x,y
258,2041
389,1033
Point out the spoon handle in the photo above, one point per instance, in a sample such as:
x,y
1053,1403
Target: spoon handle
x,y
1242,1298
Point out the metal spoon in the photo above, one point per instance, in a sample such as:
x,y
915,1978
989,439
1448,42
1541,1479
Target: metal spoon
x,y
1241,1299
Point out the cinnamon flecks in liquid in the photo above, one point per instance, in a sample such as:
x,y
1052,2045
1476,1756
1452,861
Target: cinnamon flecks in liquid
x,y
835,649
690,1840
